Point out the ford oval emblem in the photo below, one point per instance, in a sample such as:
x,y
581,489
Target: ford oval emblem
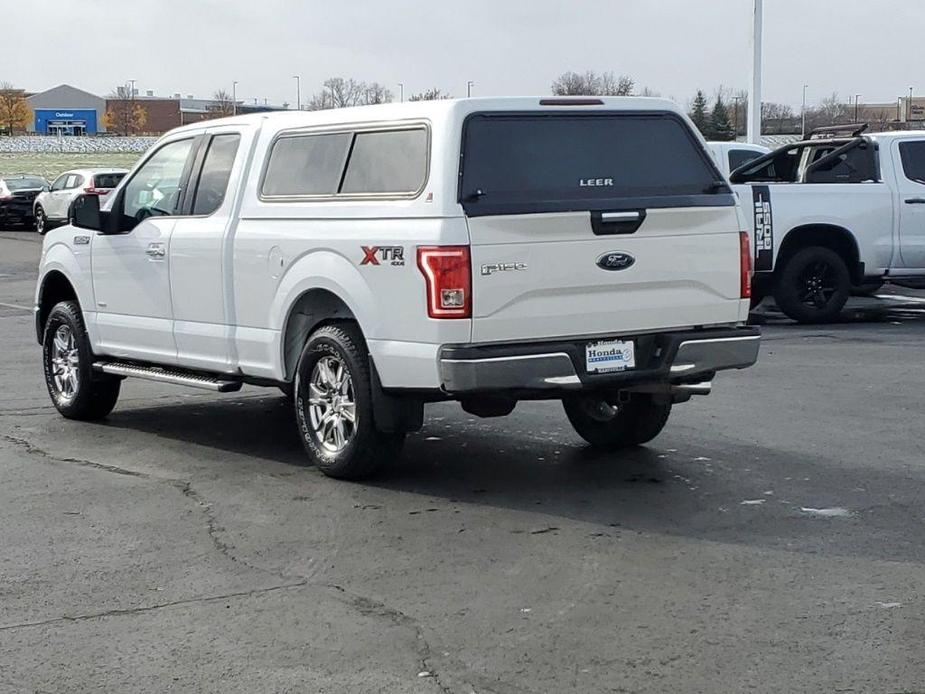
x,y
615,260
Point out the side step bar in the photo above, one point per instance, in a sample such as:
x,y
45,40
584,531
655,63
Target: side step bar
x,y
168,375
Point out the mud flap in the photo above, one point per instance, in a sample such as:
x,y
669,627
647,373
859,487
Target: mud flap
x,y
394,415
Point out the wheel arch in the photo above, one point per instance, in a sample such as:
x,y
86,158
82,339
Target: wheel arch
x,y
321,286
832,236
55,287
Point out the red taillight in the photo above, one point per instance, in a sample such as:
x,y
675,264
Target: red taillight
x,y
448,275
745,264
96,191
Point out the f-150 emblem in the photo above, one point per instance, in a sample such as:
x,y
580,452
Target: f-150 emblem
x,y
615,260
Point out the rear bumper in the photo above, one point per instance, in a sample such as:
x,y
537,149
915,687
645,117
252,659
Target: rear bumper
x,y
537,368
12,211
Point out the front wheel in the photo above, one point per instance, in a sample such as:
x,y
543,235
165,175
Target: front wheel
x,y
631,423
334,405
41,221
813,285
75,389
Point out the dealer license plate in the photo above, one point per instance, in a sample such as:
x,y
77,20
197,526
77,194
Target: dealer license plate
x,y
610,355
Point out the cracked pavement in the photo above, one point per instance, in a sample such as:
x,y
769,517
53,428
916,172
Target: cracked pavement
x,y
183,545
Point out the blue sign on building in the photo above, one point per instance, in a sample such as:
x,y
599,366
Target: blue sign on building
x,y
50,121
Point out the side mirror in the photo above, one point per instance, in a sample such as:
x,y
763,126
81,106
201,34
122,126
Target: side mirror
x,y
86,212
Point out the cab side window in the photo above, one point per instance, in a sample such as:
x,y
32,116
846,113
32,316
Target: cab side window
x,y
739,157
912,155
216,172
59,182
155,188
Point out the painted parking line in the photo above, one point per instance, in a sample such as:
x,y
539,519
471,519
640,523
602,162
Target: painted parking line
x,y
21,308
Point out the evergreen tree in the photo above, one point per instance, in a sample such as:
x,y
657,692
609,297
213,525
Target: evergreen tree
x,y
698,112
720,127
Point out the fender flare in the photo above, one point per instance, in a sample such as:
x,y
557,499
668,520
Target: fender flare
x,y
331,271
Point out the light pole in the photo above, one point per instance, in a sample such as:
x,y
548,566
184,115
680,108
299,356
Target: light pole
x,y
469,86
803,115
754,91
131,105
909,107
857,98
735,116
234,98
298,92
401,91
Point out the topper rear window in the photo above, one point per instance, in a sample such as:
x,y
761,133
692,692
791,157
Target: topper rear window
x,y
531,162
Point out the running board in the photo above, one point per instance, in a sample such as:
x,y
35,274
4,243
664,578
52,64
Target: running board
x,y
168,375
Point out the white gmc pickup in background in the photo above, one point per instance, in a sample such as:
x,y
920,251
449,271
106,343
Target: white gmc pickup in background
x,y
371,260
839,213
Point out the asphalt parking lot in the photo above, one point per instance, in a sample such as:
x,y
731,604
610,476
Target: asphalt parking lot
x,y
770,540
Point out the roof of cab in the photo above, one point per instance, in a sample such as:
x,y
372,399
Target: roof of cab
x,y
437,110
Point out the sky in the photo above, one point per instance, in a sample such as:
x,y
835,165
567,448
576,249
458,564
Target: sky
x,y
506,47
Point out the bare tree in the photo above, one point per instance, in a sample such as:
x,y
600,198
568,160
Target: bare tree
x,y
14,110
222,105
376,93
338,92
591,83
777,118
432,94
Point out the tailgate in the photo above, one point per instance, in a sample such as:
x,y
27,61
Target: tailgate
x,y
590,225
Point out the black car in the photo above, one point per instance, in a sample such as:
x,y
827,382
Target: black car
x,y
17,191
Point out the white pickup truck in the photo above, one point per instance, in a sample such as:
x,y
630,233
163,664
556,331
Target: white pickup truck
x,y
839,213
371,260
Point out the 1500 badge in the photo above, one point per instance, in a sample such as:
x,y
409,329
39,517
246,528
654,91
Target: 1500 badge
x,y
377,255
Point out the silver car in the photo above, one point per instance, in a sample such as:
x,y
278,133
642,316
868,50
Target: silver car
x,y
53,206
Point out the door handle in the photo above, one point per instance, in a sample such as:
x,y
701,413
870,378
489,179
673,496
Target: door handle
x,y
915,201
156,250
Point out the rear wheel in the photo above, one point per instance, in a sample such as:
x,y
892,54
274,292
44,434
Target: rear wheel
x,y
334,407
630,423
75,389
813,285
41,221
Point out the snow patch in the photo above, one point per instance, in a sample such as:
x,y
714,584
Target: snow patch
x,y
835,512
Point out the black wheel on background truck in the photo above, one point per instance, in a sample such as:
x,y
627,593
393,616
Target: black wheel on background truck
x,y
334,405
631,423
41,221
75,389
813,285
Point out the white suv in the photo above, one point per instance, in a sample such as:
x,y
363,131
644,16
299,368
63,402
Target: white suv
x,y
52,206
374,259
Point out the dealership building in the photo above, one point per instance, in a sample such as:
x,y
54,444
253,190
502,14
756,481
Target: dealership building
x,y
66,110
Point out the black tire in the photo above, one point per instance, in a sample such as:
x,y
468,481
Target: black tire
x,y
41,220
813,285
361,448
87,395
636,422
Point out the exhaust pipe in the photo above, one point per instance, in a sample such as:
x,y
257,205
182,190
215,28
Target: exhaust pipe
x,y
684,391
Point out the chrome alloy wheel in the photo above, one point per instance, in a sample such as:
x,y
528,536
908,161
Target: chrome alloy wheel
x,y
65,363
331,404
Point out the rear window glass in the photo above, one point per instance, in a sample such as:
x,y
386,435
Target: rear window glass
x,y
387,162
738,157
24,183
913,158
109,180
532,163
306,164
